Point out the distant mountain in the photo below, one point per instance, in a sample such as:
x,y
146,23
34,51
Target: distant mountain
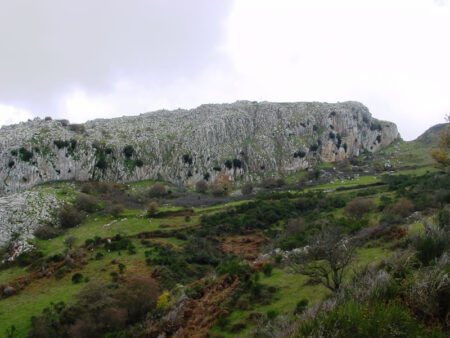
x,y
241,140
431,136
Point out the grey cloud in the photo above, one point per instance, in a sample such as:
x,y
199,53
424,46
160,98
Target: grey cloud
x,y
48,46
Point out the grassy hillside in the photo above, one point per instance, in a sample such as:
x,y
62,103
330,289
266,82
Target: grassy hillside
x,y
235,265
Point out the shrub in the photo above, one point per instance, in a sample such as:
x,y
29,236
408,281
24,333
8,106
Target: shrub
x,y
272,314
86,203
11,164
77,128
272,182
301,306
358,207
228,164
237,163
98,256
152,209
443,219
61,144
163,300
247,188
431,245
116,210
25,155
77,278
187,159
363,320
157,190
128,151
267,269
239,326
69,217
47,232
402,207
201,186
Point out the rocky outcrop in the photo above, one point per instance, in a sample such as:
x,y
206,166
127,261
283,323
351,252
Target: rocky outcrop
x,y
242,140
21,214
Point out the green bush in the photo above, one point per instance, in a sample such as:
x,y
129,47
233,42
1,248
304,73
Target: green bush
x,y
47,232
267,269
86,203
301,306
69,216
247,188
77,278
431,245
157,190
363,320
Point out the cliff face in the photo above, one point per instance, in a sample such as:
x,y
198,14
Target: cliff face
x,y
242,140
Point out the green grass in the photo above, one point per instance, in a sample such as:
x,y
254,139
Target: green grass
x,y
11,273
17,310
291,290
97,225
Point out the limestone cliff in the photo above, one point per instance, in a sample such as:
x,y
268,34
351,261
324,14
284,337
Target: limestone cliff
x,y
243,139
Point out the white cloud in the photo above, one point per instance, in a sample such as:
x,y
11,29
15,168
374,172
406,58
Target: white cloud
x,y
391,55
11,114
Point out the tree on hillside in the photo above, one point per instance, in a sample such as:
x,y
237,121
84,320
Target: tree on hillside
x,y
442,154
326,259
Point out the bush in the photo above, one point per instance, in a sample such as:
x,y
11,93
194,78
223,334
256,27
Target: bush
x,y
221,189
402,207
358,207
116,210
152,209
128,151
272,182
77,278
47,232
69,217
201,186
363,320
267,269
247,188
157,190
25,155
431,245
443,219
301,306
86,203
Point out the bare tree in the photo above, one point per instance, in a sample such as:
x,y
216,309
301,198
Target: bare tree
x,y
326,259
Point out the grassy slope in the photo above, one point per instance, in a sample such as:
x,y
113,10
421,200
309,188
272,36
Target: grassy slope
x,y
18,309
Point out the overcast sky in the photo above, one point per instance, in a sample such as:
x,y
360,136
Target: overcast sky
x,y
87,59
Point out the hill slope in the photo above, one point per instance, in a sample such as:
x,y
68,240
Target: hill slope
x,y
184,146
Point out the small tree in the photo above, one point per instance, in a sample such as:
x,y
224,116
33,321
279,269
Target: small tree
x,y
326,259
402,207
358,207
70,241
77,278
201,186
222,186
152,209
157,190
69,216
441,155
247,188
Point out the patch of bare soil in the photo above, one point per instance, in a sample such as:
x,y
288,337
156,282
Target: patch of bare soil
x,y
243,245
193,317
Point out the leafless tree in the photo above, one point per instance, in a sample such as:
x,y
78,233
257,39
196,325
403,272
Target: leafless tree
x,y
326,259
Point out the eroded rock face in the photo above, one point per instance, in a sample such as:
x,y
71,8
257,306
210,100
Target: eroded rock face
x,y
21,214
183,146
